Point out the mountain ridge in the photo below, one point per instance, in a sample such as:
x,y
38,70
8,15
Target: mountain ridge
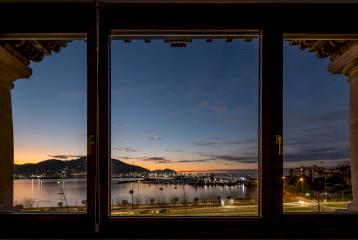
x,y
55,167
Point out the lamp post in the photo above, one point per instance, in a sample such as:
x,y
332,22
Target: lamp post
x,y
301,180
131,192
64,196
138,199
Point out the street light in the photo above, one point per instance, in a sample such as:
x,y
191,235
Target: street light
x,y
301,180
64,196
131,192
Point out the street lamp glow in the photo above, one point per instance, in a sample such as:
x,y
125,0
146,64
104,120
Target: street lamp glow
x,y
301,180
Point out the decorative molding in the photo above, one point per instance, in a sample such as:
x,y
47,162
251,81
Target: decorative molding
x,y
346,62
324,48
12,68
32,50
16,55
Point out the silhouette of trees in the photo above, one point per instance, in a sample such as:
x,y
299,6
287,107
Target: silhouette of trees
x,y
196,200
174,200
28,202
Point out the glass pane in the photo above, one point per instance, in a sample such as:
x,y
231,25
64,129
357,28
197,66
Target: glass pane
x,y
185,128
49,126
317,155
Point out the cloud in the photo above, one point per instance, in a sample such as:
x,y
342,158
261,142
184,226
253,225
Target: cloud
x,y
62,156
157,160
121,157
317,137
341,115
226,142
197,160
125,149
220,109
154,159
316,153
148,159
154,134
333,120
154,138
204,104
165,161
245,158
119,125
249,155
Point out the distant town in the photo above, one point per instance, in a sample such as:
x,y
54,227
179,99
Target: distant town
x,y
305,179
54,168
306,188
318,181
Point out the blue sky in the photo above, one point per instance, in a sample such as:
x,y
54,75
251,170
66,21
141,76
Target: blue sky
x,y
193,108
185,108
315,110
49,108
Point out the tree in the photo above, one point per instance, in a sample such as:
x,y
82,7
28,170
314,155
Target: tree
x,y
196,200
174,200
28,202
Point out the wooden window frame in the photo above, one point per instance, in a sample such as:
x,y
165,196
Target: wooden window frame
x,y
55,21
97,21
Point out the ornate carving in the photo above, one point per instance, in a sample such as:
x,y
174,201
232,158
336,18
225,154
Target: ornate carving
x,y
178,43
324,48
32,50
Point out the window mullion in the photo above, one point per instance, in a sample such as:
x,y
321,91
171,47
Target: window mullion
x,y
103,122
271,125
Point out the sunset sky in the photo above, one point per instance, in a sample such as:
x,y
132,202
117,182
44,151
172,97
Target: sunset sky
x,y
193,108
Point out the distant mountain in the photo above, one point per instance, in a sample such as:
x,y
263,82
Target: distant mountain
x,y
119,167
55,167
51,167
166,171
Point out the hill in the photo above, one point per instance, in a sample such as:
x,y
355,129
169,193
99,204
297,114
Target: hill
x,y
61,168
166,171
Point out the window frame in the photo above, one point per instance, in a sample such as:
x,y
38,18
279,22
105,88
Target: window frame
x,y
97,21
118,18
25,21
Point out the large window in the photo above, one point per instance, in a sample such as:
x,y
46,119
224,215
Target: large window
x,y
317,160
48,103
185,127
153,119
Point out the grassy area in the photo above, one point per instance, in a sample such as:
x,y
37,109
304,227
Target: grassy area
x,y
52,210
301,205
299,209
293,202
247,210
338,205
313,207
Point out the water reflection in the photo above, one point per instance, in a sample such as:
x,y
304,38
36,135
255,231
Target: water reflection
x,y
47,192
167,193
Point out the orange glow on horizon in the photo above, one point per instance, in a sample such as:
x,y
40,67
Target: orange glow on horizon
x,y
188,167
30,154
